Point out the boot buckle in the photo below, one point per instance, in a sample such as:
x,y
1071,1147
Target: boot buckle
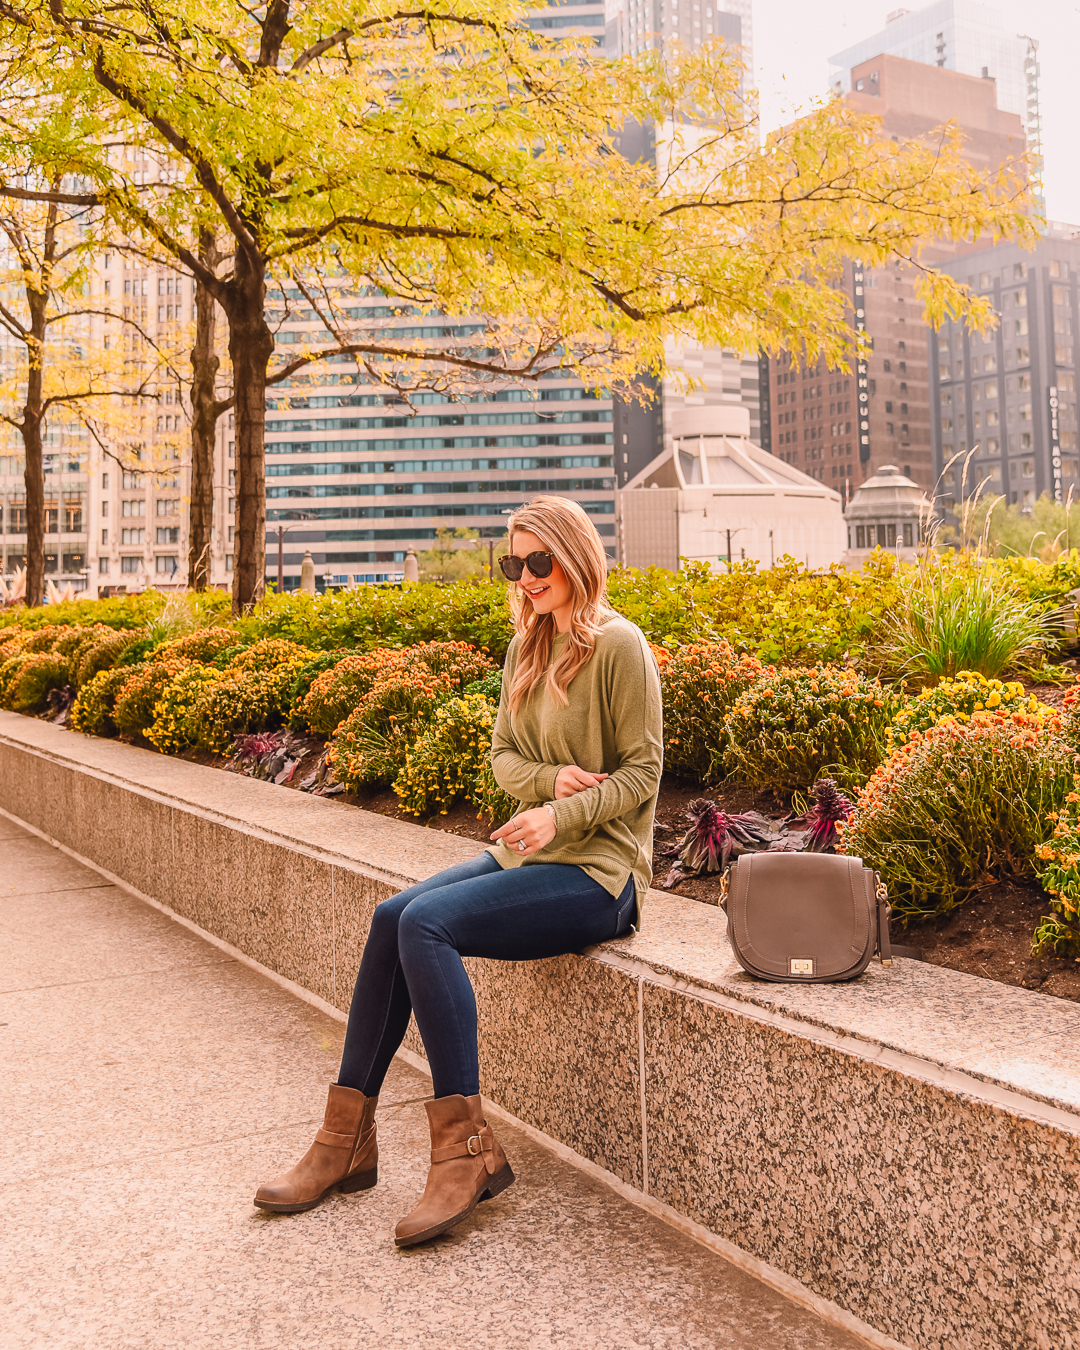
x,y
474,1139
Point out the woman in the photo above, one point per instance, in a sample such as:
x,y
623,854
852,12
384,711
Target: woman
x,y
578,742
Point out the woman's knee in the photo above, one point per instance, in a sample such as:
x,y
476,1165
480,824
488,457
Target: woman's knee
x,y
387,917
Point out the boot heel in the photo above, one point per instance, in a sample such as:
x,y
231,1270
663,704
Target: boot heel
x,y
359,1181
503,1177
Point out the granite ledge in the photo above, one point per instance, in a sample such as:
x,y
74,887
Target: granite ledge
x,y
1013,1039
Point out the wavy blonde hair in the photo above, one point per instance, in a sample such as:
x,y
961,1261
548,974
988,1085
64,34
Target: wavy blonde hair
x,y
567,533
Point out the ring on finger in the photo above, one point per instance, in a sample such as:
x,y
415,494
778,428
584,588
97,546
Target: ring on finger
x,y
522,846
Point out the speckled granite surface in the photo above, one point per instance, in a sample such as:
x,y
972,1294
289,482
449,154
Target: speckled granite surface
x,y
1019,1039
907,1146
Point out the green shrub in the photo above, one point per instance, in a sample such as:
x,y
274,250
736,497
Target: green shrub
x,y
133,710
700,683
370,746
205,645
239,703
175,725
962,615
783,613
961,698
376,616
490,687
103,654
92,711
443,762
957,806
41,672
798,724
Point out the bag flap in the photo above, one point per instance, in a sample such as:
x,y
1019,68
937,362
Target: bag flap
x,y
801,915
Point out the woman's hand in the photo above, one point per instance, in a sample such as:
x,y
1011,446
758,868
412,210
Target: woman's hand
x,y
570,780
533,829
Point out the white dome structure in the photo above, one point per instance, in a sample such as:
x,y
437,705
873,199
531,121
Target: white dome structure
x,y
887,511
715,497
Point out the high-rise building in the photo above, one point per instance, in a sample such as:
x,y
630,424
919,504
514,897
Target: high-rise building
x,y
966,36
721,376
1009,395
842,427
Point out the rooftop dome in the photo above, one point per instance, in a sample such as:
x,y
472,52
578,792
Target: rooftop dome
x,y
888,494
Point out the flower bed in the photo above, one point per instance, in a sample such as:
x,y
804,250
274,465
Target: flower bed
x,y
377,691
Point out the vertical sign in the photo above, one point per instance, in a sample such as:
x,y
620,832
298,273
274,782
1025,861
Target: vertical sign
x,y
862,373
1055,441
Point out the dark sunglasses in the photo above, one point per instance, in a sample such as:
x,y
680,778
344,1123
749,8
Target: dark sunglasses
x,y
539,564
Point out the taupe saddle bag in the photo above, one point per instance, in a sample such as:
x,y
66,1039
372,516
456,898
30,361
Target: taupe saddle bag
x,y
805,917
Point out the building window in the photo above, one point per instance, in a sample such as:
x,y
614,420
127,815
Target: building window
x,y
104,538
133,508
132,480
907,528
129,565
132,536
168,507
228,562
166,564
103,566
168,535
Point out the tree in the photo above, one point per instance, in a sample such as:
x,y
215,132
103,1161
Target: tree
x,y
59,374
457,556
453,161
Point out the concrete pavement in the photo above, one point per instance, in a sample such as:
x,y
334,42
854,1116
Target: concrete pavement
x,y
149,1082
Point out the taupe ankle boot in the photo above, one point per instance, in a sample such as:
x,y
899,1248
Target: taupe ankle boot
x,y
467,1166
344,1156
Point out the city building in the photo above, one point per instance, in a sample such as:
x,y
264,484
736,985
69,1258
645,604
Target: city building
x,y
1008,396
959,35
713,496
722,376
888,511
841,427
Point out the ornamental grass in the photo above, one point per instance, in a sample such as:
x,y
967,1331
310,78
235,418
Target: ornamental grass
x,y
795,725
963,616
700,684
958,806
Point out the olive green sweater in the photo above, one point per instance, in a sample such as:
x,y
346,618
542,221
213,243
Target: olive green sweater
x,y
612,725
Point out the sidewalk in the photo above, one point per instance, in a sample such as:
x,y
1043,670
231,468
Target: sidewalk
x,y
149,1082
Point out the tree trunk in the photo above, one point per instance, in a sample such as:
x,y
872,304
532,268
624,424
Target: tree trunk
x,y
33,423
251,345
204,415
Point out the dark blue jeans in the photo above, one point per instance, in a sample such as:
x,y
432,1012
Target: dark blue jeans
x,y
412,959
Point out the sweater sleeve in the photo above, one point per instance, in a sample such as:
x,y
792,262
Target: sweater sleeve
x,y
524,779
637,714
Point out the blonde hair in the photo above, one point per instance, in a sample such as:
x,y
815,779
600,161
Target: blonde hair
x,y
567,533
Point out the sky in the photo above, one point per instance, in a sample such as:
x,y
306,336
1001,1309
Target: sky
x,y
793,40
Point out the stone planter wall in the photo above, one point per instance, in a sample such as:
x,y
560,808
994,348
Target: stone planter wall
x,y
906,1148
